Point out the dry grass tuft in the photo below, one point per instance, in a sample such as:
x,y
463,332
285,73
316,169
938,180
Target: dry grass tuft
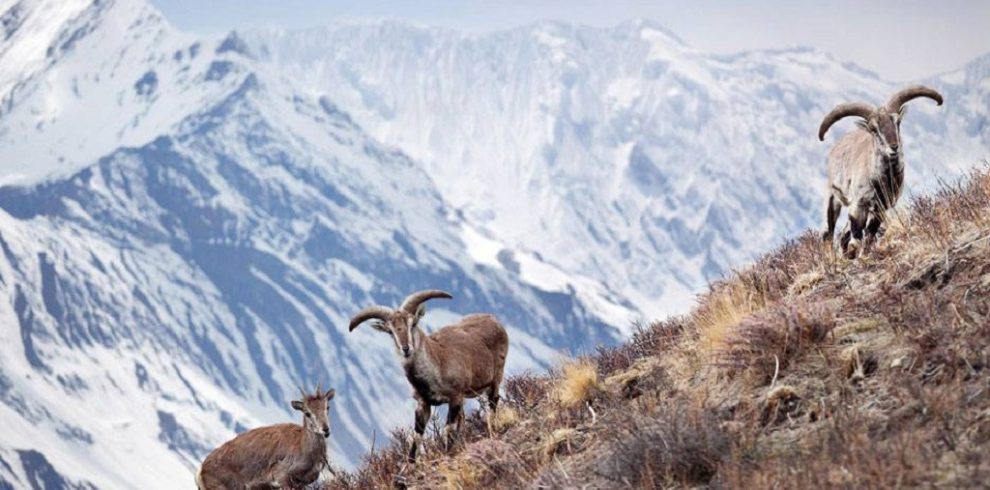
x,y
578,383
720,311
626,383
504,419
483,464
858,327
805,282
460,474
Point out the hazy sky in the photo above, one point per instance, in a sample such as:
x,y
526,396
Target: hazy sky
x,y
898,39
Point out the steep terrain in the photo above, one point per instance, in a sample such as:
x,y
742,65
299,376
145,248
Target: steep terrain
x,y
802,370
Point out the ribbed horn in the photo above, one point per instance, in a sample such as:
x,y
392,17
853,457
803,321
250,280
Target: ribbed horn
x,y
413,301
371,312
900,98
858,109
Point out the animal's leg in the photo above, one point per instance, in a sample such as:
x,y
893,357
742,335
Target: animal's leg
x,y
832,209
422,418
872,231
303,473
857,222
455,415
844,238
492,396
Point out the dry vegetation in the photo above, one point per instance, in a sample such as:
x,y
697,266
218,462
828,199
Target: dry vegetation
x,y
803,371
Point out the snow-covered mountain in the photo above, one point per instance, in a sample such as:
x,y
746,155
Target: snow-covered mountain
x,y
187,223
179,288
618,154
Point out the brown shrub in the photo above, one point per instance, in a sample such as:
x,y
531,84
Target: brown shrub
x,y
680,444
485,464
526,390
767,344
648,340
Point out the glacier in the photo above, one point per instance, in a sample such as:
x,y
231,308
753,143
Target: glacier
x,y
187,222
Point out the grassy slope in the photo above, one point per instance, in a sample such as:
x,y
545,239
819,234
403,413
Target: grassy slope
x,y
804,370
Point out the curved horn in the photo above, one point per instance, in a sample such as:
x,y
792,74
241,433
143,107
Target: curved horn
x,y
413,301
371,312
900,98
843,110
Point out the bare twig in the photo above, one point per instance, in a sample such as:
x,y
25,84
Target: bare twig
x,y
776,370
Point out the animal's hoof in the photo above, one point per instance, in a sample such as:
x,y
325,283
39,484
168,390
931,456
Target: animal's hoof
x,y
852,251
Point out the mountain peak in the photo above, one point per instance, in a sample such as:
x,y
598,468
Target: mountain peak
x,y
233,43
642,25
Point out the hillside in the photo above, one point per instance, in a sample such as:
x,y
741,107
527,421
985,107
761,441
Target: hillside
x,y
800,371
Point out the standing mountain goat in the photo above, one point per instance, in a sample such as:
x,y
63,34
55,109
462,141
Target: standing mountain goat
x,y
459,361
277,456
866,167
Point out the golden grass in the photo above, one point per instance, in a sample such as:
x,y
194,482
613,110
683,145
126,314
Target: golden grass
x,y
722,310
578,383
634,373
504,419
459,474
862,325
805,282
896,222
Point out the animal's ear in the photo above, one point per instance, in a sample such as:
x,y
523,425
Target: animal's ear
x,y
380,326
298,405
420,312
901,113
863,124
329,394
